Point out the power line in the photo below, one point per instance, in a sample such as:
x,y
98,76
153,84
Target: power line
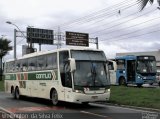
x,y
131,36
132,32
91,16
132,26
123,21
101,17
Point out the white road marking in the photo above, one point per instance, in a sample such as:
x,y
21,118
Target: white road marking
x,y
11,115
94,114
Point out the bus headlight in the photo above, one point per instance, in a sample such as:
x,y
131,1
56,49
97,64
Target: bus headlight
x,y
107,90
78,91
144,78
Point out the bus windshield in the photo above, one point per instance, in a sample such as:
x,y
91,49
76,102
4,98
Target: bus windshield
x,y
90,74
146,66
90,69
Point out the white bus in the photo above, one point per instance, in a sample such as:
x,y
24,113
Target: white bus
x,y
71,75
112,66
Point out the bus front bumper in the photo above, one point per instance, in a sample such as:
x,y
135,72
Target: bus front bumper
x,y
80,97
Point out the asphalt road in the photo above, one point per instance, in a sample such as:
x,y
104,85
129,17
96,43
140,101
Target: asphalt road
x,y
34,108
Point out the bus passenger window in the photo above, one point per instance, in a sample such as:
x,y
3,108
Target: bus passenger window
x,y
51,61
120,64
7,67
32,64
12,66
24,65
41,62
17,68
110,66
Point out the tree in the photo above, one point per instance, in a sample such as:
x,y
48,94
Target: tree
x,y
143,3
4,48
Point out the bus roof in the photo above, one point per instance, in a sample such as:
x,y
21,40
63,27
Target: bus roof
x,y
53,51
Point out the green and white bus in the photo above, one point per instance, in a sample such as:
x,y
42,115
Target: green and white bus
x,y
69,74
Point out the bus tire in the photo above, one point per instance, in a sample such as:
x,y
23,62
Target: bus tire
x,y
151,84
12,92
17,94
54,97
122,81
139,85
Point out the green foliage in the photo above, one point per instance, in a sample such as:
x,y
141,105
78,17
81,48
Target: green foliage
x,y
133,96
143,3
4,47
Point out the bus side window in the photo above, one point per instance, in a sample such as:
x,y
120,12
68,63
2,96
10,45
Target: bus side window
x,y
41,62
110,66
17,67
32,64
12,66
120,64
51,61
6,67
24,65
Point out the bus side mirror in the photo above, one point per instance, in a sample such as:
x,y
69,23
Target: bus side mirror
x,y
72,64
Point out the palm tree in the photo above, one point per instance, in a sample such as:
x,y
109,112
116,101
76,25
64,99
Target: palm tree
x,y
143,3
4,48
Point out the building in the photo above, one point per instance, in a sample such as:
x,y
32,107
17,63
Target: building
x,y
154,53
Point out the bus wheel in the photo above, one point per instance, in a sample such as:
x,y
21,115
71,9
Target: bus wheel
x,y
17,95
122,81
139,85
54,97
151,84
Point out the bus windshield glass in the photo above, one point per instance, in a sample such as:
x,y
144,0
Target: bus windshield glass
x,y
146,66
90,69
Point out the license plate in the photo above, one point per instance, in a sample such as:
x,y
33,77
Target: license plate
x,y
94,97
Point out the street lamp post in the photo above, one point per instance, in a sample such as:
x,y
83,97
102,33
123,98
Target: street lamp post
x,y
0,61
15,31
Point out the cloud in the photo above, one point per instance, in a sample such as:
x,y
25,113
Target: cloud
x,y
49,14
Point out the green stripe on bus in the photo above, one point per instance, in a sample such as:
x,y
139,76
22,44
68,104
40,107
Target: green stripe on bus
x,y
49,75
10,77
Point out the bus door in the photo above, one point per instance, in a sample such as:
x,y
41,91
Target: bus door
x,y
66,91
131,70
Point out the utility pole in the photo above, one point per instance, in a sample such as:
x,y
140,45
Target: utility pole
x,y
59,38
15,54
97,43
94,41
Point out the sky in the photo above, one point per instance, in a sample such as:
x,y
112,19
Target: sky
x,y
118,24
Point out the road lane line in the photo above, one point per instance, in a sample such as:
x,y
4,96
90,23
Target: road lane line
x,y
11,115
94,114
33,109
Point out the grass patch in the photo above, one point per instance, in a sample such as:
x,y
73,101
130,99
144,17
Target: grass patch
x,y
2,84
133,96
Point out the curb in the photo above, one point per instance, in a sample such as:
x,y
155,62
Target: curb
x,y
134,107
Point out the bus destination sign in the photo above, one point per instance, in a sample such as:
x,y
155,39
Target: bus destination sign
x,y
77,39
